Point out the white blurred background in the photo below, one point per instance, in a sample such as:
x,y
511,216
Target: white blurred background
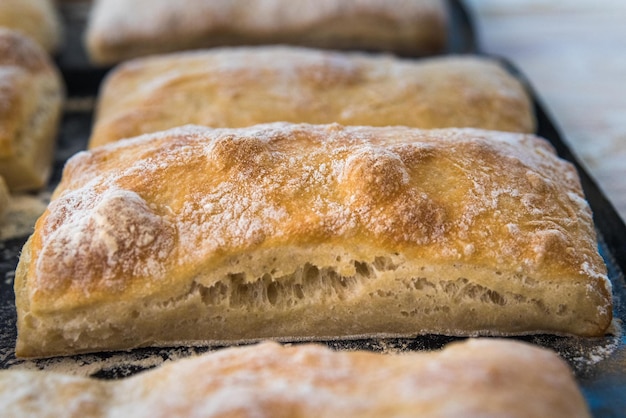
x,y
574,53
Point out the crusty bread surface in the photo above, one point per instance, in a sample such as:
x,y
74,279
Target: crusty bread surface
x,y
476,378
37,19
310,232
237,87
122,29
31,96
4,198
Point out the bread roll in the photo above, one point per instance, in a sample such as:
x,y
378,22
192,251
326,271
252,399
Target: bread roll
x,y
37,19
310,232
4,198
476,378
122,29
244,86
31,95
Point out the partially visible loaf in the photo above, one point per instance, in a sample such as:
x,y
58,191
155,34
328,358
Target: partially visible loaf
x,y
37,19
310,232
236,87
122,29
31,96
4,198
475,378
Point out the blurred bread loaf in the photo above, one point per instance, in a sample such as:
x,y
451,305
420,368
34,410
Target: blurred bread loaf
x,y
476,378
236,87
31,95
37,19
310,232
123,29
4,198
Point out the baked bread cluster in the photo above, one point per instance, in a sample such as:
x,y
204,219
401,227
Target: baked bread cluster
x,y
263,192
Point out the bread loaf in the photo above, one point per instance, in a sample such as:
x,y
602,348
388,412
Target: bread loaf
x,y
122,29
4,198
31,95
245,86
476,378
37,19
310,232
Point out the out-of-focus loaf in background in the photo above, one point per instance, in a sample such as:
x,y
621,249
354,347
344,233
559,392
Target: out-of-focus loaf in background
x,y
123,29
475,378
300,232
31,97
37,19
4,198
236,87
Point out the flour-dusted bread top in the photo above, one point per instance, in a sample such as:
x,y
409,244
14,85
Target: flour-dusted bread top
x,y
37,19
238,87
475,378
123,29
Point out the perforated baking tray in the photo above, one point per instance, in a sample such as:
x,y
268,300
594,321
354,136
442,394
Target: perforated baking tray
x,y
599,364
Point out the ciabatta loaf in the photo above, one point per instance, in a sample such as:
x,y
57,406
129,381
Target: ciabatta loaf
x,y
477,378
122,29
4,198
237,87
31,96
37,19
310,232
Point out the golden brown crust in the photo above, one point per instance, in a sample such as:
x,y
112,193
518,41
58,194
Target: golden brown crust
x,y
476,378
31,96
4,198
310,232
36,19
18,51
122,29
244,86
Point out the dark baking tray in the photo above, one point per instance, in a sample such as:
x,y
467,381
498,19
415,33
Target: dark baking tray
x,y
599,364
602,376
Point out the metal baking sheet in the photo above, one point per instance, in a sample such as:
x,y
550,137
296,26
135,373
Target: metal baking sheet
x,y
599,364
